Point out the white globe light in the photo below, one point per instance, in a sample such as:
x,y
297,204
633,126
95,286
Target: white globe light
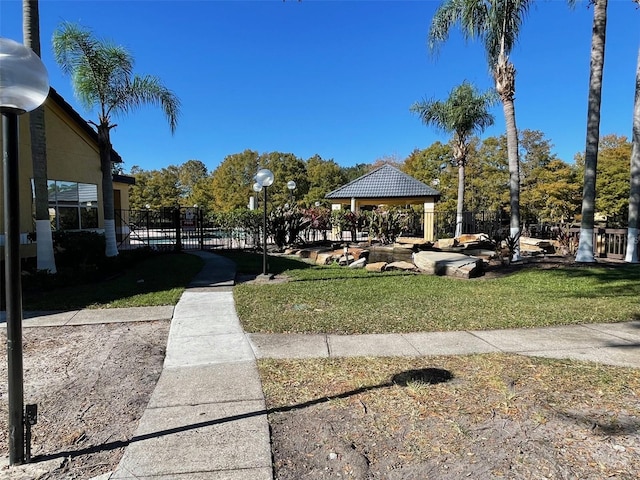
x,y
291,185
264,177
257,187
24,82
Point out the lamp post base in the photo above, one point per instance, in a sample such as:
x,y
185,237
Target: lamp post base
x,y
265,277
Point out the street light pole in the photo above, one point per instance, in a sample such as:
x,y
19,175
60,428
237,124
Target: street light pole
x,y
264,178
24,86
291,185
264,234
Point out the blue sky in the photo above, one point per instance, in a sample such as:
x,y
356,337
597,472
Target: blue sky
x,y
334,78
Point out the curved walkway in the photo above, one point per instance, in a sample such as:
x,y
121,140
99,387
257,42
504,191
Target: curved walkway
x,y
206,418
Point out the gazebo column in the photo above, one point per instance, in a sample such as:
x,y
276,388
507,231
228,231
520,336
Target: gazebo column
x,y
429,220
334,230
354,205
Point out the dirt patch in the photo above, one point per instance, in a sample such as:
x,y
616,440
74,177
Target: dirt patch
x,y
92,384
497,416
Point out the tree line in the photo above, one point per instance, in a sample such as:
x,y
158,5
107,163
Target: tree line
x,y
550,188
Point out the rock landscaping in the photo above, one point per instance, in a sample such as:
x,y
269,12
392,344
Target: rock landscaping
x,y
463,257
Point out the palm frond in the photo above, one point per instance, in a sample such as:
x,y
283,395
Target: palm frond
x,y
102,76
148,90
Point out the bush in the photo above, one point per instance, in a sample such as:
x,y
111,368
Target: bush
x,y
285,225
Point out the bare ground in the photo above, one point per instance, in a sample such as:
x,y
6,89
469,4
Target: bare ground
x,y
498,416
92,384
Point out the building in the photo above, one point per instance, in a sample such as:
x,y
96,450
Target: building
x,y
73,169
387,186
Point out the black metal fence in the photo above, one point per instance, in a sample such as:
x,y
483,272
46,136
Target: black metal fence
x,y
186,228
183,228
491,223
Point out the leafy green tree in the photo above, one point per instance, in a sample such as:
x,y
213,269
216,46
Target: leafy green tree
x,y
555,195
324,176
155,189
497,24
232,181
102,77
535,157
465,112
585,245
202,194
190,174
634,191
428,164
489,175
356,171
285,167
612,180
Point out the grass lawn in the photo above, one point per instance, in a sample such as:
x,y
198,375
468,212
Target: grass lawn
x,y
158,280
347,301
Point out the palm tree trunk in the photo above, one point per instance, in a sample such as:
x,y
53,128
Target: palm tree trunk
x,y
44,241
508,107
460,206
585,246
634,196
104,145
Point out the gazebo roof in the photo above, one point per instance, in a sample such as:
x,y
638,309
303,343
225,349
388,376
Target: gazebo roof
x,y
384,182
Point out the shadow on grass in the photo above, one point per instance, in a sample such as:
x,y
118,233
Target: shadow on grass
x,y
251,262
607,280
158,277
430,376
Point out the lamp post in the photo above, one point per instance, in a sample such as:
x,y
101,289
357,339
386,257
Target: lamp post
x,y
264,178
24,86
291,185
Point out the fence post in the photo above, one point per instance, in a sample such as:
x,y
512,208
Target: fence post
x,y
201,228
176,224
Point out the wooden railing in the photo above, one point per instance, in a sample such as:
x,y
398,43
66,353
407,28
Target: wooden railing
x,y
607,242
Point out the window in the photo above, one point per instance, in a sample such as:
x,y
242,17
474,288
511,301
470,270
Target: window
x,y
73,205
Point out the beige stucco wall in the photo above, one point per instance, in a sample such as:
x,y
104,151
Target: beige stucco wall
x,y
72,155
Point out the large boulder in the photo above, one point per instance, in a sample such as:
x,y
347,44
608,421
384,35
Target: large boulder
x,y
324,258
402,265
448,263
376,267
360,263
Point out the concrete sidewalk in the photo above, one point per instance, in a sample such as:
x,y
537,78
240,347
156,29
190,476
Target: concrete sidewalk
x,y
206,418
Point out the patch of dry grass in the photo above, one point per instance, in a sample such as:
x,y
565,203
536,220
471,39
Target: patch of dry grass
x,y
502,413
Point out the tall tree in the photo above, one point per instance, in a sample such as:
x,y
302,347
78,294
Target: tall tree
x,y
634,194
324,176
232,180
497,24
465,112
585,245
44,241
103,79
190,174
285,167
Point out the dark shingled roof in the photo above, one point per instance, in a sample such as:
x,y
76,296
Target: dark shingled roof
x,y
384,182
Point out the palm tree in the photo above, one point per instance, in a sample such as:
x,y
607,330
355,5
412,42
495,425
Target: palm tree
x,y
462,114
585,245
102,77
497,24
634,196
44,253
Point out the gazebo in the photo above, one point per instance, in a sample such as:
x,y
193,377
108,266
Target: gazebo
x,y
387,185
